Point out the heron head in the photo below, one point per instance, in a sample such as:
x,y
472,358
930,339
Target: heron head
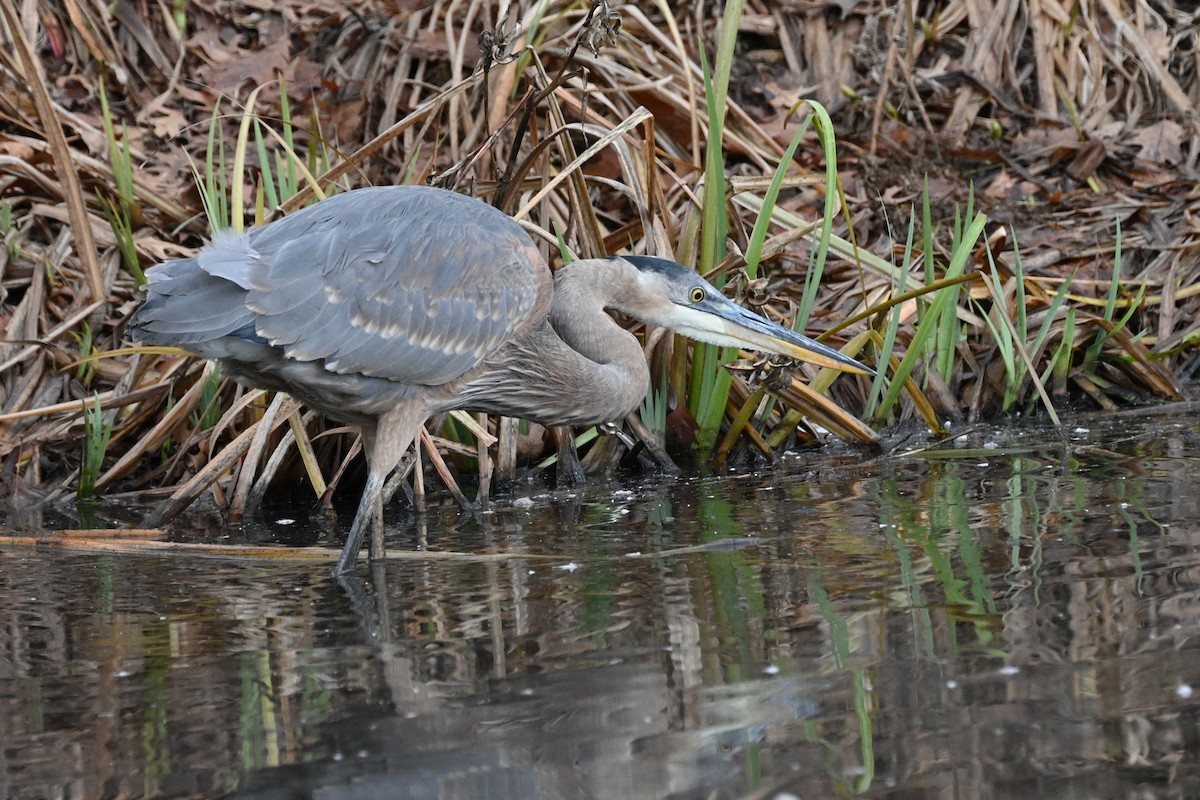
x,y
672,296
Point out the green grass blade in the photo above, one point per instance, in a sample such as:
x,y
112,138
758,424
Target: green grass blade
x,y
266,177
816,269
1052,312
762,222
925,329
97,433
288,180
893,326
709,386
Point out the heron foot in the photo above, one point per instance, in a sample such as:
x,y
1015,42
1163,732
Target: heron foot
x,y
569,471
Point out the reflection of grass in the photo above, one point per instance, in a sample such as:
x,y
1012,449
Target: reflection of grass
x,y
1129,496
946,512
866,730
1135,554
1020,510
251,726
259,720
839,639
156,749
598,601
736,591
739,606
923,621
740,617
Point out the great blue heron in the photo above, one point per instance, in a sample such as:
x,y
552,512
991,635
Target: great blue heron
x,y
384,306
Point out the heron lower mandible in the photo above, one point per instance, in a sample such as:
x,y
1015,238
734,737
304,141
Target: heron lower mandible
x,y
382,307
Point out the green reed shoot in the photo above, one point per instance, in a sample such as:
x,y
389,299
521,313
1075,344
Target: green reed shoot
x,y
1005,346
1114,285
1052,367
653,409
1092,355
763,222
210,409
123,232
710,382
6,231
949,330
816,267
927,237
1010,335
96,433
766,212
120,213
87,346
180,17
282,183
212,182
893,325
1056,303
1066,351
943,304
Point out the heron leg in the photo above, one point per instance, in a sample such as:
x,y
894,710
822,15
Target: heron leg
x,y
397,483
366,516
384,444
375,544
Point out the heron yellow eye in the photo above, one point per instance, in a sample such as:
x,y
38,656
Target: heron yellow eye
x,y
697,295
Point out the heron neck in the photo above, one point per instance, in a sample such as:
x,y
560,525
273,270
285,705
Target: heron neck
x,y
603,358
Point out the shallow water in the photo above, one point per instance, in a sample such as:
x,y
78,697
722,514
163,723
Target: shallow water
x,y
1011,616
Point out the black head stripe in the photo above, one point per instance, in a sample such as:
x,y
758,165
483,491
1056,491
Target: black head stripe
x,y
663,266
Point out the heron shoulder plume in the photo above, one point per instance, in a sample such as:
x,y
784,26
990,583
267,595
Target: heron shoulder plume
x,y
384,306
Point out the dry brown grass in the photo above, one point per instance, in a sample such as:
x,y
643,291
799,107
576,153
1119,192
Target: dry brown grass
x,y
1064,116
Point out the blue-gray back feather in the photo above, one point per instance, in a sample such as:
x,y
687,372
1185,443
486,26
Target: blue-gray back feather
x,y
412,284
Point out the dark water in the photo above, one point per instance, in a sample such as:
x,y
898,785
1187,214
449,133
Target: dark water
x,y
1010,617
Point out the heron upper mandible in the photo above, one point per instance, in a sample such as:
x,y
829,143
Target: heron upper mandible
x,y
382,307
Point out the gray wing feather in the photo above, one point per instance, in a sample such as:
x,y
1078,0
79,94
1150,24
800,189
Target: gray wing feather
x,y
185,305
411,284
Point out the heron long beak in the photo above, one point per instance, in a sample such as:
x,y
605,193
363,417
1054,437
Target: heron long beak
x,y
729,321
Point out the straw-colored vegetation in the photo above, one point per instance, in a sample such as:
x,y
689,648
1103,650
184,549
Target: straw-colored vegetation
x,y
1006,227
